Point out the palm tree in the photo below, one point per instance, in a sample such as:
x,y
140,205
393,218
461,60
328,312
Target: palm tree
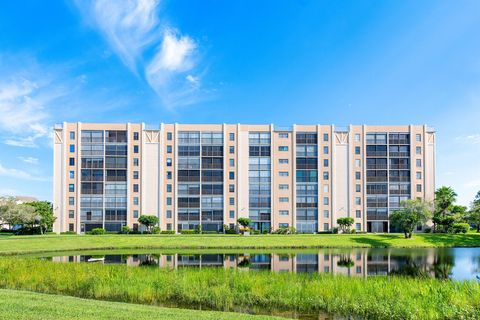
x,y
445,197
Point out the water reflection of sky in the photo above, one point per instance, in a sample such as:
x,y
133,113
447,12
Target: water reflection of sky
x,y
467,263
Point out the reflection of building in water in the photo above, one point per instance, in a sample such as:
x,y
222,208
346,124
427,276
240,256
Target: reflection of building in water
x,y
360,263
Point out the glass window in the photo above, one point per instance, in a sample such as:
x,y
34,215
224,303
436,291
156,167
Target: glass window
x,y
71,201
135,175
232,214
135,214
419,163
325,175
232,150
283,148
135,187
232,201
135,200
71,187
325,162
358,227
231,188
283,212
357,188
169,188
283,161
72,135
357,137
419,188
325,137
326,213
283,187
325,188
326,228
357,150
72,148
418,150
232,136
169,149
357,163
135,149
419,175
283,135
325,200
232,162
418,137
169,201
283,199
169,136
169,214
357,175
71,214
325,150
283,173
358,213
358,200
72,174
71,161
135,136
169,162
169,175
231,175
135,162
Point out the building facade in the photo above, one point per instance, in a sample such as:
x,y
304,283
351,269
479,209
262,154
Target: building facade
x,y
305,176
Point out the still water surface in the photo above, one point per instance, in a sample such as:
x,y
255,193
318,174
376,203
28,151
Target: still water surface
x,y
441,263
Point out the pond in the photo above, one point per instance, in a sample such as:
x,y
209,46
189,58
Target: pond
x,y
440,263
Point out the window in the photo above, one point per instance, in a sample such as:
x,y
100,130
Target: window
x,y
232,136
232,201
169,214
135,175
326,201
357,163
418,150
71,187
232,214
169,162
135,149
325,150
325,137
419,163
419,188
135,162
72,135
71,214
283,225
283,173
169,136
418,137
358,213
232,150
135,136
135,214
326,227
358,201
283,187
135,201
283,199
283,148
283,161
71,161
135,187
231,188
169,201
71,227
326,213
357,188
357,137
231,175
169,149
357,150
283,212
325,162
325,175
169,175
325,188
72,174
283,135
72,148
169,188
419,175
358,227
71,201
232,162
357,175
169,228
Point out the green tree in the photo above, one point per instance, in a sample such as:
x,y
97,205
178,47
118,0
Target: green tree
x,y
445,198
345,223
412,213
148,221
244,222
44,217
12,213
474,213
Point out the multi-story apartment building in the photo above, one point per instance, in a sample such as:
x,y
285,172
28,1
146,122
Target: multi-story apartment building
x,y
306,176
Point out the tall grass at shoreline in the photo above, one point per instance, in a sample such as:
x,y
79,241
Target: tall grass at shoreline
x,y
219,289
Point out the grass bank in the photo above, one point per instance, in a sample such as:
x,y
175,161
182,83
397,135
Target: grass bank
x,y
24,305
33,244
226,290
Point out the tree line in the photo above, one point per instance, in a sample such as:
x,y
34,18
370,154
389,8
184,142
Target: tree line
x,y
31,217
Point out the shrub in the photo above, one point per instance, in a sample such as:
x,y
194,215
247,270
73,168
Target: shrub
x,y
135,232
230,231
187,231
125,229
353,231
427,230
97,231
156,230
460,227
210,232
167,232
198,229
68,232
28,231
335,230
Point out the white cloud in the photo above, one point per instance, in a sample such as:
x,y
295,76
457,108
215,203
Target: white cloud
x,y
147,47
29,160
19,174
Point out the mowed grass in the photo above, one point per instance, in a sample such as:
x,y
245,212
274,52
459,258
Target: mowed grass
x,y
230,290
45,243
29,305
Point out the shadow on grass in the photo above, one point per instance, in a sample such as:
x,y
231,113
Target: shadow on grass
x,y
452,240
376,240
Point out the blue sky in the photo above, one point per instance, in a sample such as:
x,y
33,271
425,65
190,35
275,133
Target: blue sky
x,y
282,62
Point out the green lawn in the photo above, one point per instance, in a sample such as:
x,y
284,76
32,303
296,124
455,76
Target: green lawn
x,y
28,305
33,244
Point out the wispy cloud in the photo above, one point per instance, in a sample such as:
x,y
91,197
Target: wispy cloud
x,y
19,174
160,54
470,139
29,160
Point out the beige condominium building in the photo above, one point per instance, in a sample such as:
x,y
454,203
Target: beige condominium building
x,y
306,176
